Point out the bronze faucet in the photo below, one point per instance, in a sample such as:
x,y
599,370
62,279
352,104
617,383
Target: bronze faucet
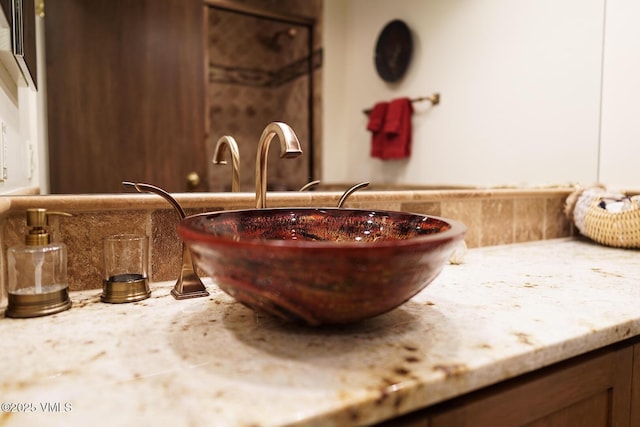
x,y
289,149
189,284
218,158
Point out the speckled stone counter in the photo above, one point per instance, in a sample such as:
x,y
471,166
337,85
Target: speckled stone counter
x,y
505,311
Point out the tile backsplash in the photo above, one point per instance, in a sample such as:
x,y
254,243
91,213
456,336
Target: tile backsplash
x,y
493,217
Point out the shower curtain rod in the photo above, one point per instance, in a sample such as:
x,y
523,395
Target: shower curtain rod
x,y
261,13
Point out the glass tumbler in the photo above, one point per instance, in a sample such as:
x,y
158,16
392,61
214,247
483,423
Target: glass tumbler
x,y
126,265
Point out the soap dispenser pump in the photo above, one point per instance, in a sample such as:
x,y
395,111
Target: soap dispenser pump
x,y
37,271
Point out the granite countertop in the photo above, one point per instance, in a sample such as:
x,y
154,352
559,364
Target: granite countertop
x,y
505,311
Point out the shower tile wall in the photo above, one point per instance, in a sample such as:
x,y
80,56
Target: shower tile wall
x,y
258,74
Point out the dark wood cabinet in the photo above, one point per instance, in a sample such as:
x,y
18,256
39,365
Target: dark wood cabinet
x,y
125,93
635,387
601,389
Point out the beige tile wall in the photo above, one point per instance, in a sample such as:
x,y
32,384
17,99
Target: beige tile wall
x,y
493,217
242,51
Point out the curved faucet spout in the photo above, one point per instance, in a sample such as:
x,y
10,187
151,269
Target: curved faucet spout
x,y
223,143
189,284
289,149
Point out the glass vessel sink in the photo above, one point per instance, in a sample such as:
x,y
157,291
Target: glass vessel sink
x,y
321,265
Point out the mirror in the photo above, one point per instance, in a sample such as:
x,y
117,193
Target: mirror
x,y
522,110
148,111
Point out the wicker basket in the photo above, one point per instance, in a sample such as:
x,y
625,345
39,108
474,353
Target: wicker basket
x,y
619,229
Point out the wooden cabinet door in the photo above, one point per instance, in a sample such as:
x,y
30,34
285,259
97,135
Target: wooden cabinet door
x,y
594,391
125,93
635,387
601,389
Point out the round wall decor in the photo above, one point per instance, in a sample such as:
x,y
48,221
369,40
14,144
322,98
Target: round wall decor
x,y
393,51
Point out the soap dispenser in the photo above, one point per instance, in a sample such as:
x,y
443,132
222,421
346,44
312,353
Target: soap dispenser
x,y
37,271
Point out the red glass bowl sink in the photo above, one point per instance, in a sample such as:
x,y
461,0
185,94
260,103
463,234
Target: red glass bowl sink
x,y
321,265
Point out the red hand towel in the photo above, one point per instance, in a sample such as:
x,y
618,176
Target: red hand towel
x,y
397,129
375,123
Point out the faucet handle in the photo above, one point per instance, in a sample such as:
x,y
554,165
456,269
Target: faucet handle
x,y
350,191
309,185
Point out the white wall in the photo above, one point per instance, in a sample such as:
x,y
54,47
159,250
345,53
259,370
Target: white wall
x,y
335,127
521,87
21,140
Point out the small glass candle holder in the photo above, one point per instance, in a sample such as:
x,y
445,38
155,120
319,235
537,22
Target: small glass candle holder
x,y
126,263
